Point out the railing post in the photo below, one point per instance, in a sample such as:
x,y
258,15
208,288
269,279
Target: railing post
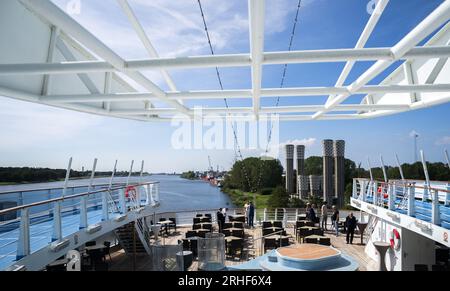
x,y
435,210
412,201
425,192
105,210
447,195
150,191
284,217
265,214
391,197
23,245
355,189
122,203
363,192
57,226
296,214
276,214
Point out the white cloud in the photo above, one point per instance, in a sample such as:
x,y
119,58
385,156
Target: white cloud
x,y
25,124
445,140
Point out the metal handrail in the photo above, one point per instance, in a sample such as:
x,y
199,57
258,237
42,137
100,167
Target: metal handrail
x,y
61,199
407,184
50,188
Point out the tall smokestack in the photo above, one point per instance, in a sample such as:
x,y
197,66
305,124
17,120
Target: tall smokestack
x,y
327,170
314,184
302,187
290,169
339,171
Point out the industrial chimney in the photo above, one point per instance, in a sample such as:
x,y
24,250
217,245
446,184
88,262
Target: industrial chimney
x,y
327,170
339,171
290,169
302,181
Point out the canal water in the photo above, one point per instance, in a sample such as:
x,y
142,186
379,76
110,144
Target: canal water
x,y
175,193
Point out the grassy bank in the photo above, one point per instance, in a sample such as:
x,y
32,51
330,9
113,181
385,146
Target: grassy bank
x,y
239,198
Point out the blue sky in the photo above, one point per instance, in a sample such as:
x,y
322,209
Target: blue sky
x,y
35,135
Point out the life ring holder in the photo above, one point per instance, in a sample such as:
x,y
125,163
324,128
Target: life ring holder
x,y
395,240
131,192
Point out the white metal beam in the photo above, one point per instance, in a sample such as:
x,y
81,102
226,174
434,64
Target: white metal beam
x,y
411,78
59,18
145,40
54,34
243,94
432,22
257,9
240,60
367,32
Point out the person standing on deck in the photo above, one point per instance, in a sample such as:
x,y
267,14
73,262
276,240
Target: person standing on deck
x,y
350,223
246,206
335,219
324,215
312,214
308,207
220,220
251,214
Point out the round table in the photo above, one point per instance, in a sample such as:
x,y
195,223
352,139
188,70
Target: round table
x,y
362,227
382,248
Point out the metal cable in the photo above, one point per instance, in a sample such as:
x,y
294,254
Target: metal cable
x,y
238,148
283,78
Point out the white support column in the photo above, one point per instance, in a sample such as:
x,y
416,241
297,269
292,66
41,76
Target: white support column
x,y
257,16
130,173
265,214
435,208
54,34
427,177
107,89
400,167
105,208
122,202
412,200
447,195
23,244
66,181
84,199
392,195
57,223
363,192
411,79
384,169
112,175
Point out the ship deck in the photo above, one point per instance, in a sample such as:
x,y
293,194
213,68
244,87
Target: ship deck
x,y
120,261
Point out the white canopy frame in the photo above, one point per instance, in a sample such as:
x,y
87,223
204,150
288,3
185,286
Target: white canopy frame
x,y
383,99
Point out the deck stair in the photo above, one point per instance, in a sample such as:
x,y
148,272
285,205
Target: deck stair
x,y
126,235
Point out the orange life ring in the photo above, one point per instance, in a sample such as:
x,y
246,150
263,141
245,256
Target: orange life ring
x,y
130,191
395,240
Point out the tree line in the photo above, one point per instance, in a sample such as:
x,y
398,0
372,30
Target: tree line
x,y
266,177
36,175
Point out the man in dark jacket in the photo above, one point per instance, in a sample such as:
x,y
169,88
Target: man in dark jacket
x,y
350,222
220,219
251,214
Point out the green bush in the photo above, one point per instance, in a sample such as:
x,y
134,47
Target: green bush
x,y
266,191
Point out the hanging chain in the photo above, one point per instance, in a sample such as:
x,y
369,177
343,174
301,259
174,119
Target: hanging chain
x,y
238,148
283,78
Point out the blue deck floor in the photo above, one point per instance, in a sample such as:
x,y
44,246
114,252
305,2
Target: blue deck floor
x,y
423,211
41,233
